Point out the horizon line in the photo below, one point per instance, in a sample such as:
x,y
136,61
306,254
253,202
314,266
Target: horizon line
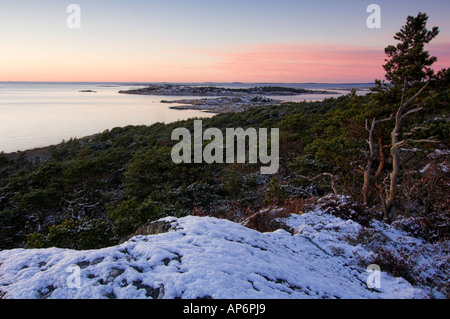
x,y
176,82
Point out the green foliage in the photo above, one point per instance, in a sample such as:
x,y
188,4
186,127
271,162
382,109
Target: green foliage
x,y
408,61
3,160
111,183
126,176
148,171
295,128
441,130
233,182
152,174
12,228
198,193
333,153
48,174
130,214
79,234
275,194
39,199
82,170
21,161
38,240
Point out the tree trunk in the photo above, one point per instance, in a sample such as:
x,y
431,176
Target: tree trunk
x,y
395,164
402,112
382,159
368,168
371,157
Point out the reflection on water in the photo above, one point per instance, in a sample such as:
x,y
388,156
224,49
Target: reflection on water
x,y
35,115
41,114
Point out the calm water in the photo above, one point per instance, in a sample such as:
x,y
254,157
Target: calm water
x,y
41,114
36,114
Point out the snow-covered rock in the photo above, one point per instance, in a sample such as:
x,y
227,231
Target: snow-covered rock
x,y
203,257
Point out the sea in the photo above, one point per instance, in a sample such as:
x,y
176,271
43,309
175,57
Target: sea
x,y
39,114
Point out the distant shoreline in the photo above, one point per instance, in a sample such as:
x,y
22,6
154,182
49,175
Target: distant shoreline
x,y
328,85
223,99
237,98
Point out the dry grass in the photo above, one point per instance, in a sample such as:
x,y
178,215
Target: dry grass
x,y
271,218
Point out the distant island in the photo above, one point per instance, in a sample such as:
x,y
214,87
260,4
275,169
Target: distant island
x,y
226,99
187,90
223,104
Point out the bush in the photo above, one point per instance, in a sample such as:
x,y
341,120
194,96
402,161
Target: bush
x,y
343,207
74,234
233,182
395,264
47,174
148,171
3,160
130,214
40,199
12,228
275,194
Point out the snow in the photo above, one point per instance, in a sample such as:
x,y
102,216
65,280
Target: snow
x,y
209,257
441,166
438,153
444,167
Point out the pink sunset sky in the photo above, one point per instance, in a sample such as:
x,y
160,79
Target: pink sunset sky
x,y
310,62
198,41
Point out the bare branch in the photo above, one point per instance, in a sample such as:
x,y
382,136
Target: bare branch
x,y
334,178
323,174
398,144
415,96
417,109
403,92
297,189
370,156
428,140
375,121
386,119
367,125
415,129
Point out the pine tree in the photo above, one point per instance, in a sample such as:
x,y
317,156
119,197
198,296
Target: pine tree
x,y
408,69
408,62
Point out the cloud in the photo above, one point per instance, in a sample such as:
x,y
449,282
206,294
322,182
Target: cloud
x,y
300,63
308,62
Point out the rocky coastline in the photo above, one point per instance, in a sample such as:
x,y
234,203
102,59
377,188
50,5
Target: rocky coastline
x,y
222,99
222,104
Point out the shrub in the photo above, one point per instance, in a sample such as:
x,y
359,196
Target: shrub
x,y
275,194
233,182
47,174
12,228
343,207
298,205
40,199
74,234
3,160
395,263
130,214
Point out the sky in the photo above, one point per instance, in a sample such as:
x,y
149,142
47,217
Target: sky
x,y
290,41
